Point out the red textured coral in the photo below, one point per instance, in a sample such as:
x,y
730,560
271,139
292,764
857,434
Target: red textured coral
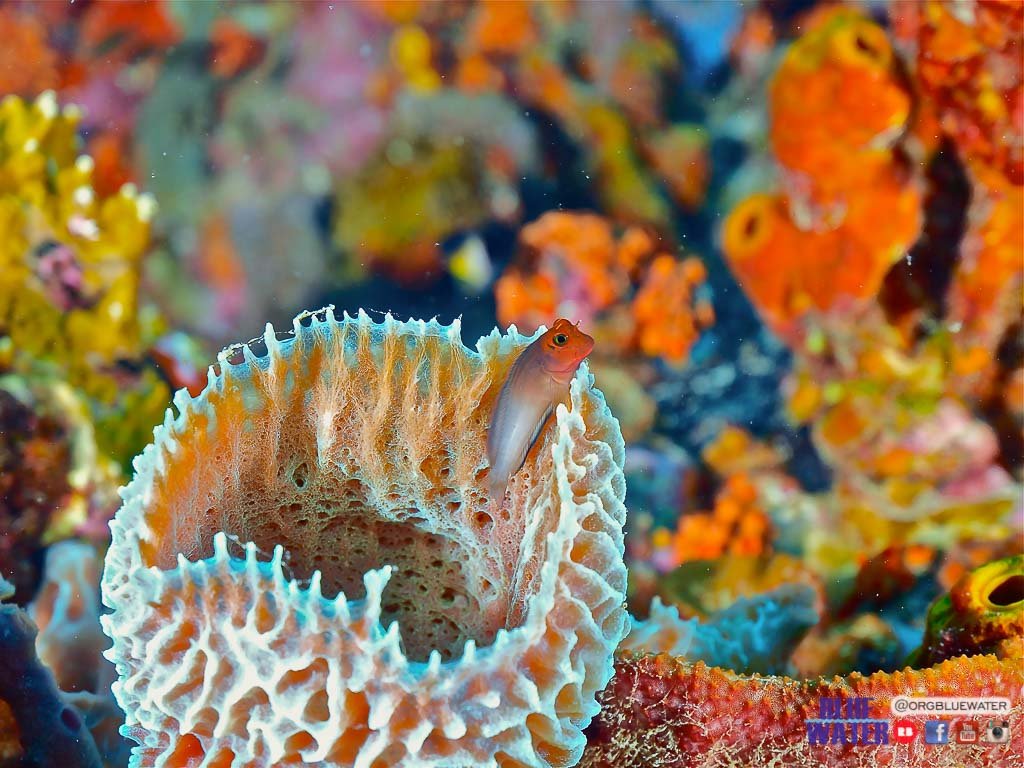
x,y
28,65
659,711
668,317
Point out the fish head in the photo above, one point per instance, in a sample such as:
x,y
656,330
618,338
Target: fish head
x,y
563,347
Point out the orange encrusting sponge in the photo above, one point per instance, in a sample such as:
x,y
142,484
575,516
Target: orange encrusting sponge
x,y
789,271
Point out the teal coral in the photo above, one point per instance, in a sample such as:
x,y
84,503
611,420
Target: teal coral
x,y
756,634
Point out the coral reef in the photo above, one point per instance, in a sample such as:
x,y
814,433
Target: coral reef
x,y
637,300
414,623
912,463
679,155
735,451
737,526
70,257
967,62
70,642
795,230
789,270
668,318
33,483
28,63
70,273
580,246
627,397
661,711
988,281
983,613
703,588
437,190
66,612
755,634
40,728
126,30
837,107
665,709
867,641
896,344
889,575
52,477
821,243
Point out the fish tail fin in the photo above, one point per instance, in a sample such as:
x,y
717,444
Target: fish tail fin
x,y
497,493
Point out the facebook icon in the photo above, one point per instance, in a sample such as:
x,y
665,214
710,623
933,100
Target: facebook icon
x,y
936,732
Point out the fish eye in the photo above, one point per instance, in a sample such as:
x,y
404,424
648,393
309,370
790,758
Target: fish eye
x,y
560,339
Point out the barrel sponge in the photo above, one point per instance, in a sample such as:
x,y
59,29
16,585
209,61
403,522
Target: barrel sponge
x,y
306,567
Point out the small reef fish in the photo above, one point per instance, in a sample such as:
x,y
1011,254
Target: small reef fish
x,y
471,266
174,357
538,380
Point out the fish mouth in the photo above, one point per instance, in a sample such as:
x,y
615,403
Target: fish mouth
x,y
568,369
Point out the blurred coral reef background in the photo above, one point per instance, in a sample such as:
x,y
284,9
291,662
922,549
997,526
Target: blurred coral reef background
x,y
794,228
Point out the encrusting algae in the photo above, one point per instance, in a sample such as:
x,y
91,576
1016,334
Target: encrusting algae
x,y
407,625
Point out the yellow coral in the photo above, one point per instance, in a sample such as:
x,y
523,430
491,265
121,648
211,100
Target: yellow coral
x,y
46,200
70,262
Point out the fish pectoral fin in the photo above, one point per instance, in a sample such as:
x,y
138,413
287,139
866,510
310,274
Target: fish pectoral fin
x,y
533,438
